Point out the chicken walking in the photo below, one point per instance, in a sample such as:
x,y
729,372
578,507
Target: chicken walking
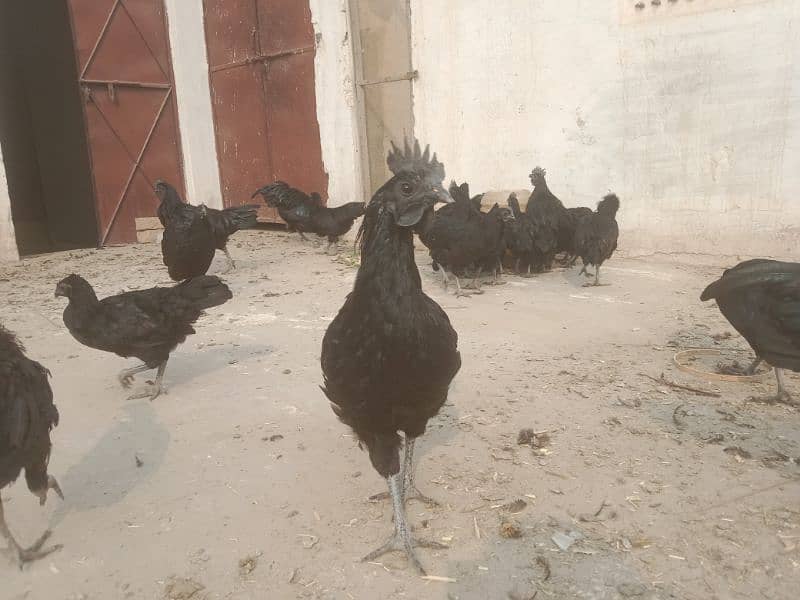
x,y
27,415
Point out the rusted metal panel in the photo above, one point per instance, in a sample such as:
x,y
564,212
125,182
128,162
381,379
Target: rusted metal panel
x,y
261,67
129,107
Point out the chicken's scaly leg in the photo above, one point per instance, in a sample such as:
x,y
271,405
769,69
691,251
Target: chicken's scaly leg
x,y
22,555
231,265
302,237
459,291
444,277
782,396
126,375
401,541
410,491
751,370
155,390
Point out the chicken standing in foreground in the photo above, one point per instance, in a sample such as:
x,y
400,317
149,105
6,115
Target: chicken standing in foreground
x,y
596,237
761,299
193,233
147,324
27,415
390,354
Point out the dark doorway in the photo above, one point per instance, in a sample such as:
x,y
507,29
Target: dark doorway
x,y
42,131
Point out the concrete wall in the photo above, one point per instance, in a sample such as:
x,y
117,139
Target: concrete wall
x,y
8,243
195,118
689,111
336,101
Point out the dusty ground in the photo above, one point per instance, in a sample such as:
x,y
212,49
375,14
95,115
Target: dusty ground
x,y
250,488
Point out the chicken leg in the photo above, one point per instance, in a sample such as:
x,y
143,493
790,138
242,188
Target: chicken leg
x,y
231,264
410,491
783,396
751,370
401,541
155,390
596,278
407,477
23,555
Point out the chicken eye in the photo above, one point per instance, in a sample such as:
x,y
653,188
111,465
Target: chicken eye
x,y
406,188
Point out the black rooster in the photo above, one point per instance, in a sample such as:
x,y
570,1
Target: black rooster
x,y
27,415
596,237
146,324
305,213
549,219
390,354
761,300
293,206
187,247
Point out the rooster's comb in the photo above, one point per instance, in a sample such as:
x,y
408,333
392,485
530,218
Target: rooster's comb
x,y
538,173
413,159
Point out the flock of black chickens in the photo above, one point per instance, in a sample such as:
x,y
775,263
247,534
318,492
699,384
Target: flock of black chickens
x,y
389,356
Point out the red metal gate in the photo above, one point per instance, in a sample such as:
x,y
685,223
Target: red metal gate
x,y
126,78
261,63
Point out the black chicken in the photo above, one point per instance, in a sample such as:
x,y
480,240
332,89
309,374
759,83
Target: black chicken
x,y
27,415
566,235
461,238
146,324
761,300
549,219
390,354
305,213
187,247
293,206
596,237
520,237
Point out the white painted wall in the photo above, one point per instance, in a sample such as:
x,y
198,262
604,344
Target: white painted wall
x,y
8,242
193,93
336,101
693,120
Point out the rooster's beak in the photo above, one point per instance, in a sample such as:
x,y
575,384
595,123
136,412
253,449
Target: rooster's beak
x,y
442,195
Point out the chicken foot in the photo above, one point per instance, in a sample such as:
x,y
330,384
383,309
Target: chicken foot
x,y
125,376
24,555
156,389
596,278
783,396
401,540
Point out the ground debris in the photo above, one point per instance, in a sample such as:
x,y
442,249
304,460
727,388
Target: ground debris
x,y
517,506
179,588
565,540
537,440
248,564
630,590
544,564
737,452
686,388
510,530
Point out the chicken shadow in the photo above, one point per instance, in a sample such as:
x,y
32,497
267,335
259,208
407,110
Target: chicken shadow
x,y
186,365
127,455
